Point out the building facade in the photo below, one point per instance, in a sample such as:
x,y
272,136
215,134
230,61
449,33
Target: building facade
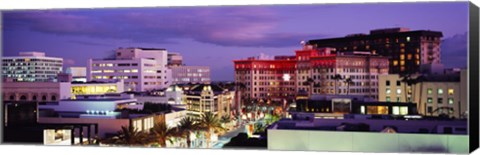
x,y
31,66
266,78
311,70
203,98
174,59
434,95
142,69
407,50
190,74
78,73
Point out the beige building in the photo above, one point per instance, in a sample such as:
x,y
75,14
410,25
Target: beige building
x,y
208,98
439,94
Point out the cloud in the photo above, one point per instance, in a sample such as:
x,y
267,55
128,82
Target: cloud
x,y
88,43
68,62
454,50
225,26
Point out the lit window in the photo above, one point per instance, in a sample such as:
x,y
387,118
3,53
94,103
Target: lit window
x,y
402,63
429,100
399,91
388,91
96,71
409,56
126,71
450,91
402,57
395,62
108,71
388,99
109,65
408,39
134,70
440,91
450,100
429,91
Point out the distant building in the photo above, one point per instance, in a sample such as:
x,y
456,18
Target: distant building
x,y
190,74
31,66
78,73
173,95
434,94
142,69
203,98
407,50
174,59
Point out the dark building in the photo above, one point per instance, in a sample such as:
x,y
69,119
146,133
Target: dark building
x,y
407,50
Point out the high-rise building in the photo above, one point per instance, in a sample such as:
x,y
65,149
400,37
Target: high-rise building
x,y
267,78
311,71
142,69
175,59
31,66
190,74
320,71
407,50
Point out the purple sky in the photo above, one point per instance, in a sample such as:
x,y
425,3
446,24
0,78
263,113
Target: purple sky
x,y
214,36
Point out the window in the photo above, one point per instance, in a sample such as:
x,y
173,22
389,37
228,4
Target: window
x,y
429,109
387,82
399,91
440,100
440,91
398,83
429,91
388,99
450,91
450,100
388,91
408,39
429,100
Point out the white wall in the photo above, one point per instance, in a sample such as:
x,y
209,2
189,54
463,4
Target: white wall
x,y
365,142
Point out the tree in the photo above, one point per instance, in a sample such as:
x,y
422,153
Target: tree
x,y
162,133
186,127
337,78
348,81
240,87
129,136
225,119
210,123
310,82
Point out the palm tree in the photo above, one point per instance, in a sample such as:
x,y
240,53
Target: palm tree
x,y
210,123
348,81
310,82
240,87
162,133
225,119
337,78
129,136
186,127
407,80
420,80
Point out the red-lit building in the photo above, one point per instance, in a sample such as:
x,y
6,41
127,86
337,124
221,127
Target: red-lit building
x,y
311,70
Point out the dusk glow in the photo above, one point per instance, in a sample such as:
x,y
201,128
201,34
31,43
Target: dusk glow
x,y
213,36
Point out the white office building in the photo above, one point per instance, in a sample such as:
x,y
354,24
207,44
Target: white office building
x,y
31,66
142,69
190,74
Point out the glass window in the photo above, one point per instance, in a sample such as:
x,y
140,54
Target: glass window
x,y
440,100
450,91
387,82
399,91
388,91
399,83
429,91
429,100
429,109
450,100
388,99
396,110
440,91
403,110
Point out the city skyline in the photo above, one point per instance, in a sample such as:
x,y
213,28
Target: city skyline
x,y
222,34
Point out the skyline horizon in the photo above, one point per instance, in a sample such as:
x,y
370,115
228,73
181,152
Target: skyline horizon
x,y
203,39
